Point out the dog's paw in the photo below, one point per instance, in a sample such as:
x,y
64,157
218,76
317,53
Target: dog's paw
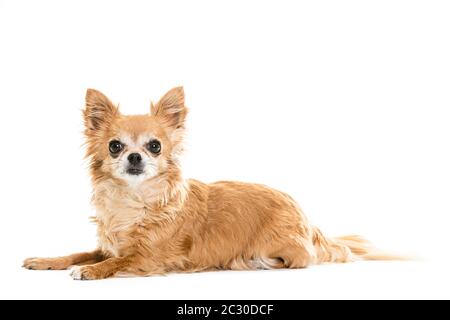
x,y
45,264
85,273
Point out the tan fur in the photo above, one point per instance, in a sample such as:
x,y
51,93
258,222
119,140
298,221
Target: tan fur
x,y
168,224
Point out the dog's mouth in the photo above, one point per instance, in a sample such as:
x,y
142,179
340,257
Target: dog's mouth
x,y
135,171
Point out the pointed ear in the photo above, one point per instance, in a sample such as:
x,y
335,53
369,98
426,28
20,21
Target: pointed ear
x,y
99,111
171,109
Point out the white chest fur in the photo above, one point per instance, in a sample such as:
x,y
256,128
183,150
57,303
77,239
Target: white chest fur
x,y
122,210
118,213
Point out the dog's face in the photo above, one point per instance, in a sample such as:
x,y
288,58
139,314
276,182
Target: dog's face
x,y
134,149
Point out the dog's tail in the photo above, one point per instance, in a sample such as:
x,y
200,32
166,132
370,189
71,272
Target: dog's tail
x,y
347,249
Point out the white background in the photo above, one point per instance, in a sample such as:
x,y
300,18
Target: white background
x,y
343,104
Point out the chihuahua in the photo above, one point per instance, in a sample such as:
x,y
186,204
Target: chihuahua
x,y
152,221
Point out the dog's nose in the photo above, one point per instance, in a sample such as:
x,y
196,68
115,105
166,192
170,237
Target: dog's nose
x,y
134,158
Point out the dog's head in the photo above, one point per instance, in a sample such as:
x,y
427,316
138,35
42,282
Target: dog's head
x,y
137,148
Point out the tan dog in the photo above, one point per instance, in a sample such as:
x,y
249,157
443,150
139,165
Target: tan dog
x,y
152,221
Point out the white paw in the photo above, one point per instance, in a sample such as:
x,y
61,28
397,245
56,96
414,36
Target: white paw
x,y
75,272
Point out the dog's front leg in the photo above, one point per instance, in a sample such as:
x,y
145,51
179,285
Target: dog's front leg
x,y
62,263
102,270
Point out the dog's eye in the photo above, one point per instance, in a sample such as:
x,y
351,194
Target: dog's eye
x,y
115,146
154,146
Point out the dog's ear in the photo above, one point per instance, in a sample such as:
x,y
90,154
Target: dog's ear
x,y
99,111
170,109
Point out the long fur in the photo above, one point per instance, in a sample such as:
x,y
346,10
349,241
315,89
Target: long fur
x,y
169,224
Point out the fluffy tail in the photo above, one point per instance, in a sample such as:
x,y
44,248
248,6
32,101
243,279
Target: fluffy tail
x,y
347,248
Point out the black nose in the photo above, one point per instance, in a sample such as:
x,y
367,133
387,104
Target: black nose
x,y
134,158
